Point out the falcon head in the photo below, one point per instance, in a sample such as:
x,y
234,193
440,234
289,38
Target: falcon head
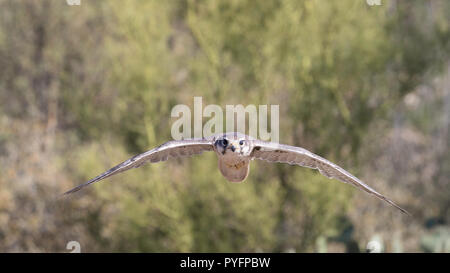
x,y
233,144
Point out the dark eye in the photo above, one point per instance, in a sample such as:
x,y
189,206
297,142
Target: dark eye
x,y
225,142
241,142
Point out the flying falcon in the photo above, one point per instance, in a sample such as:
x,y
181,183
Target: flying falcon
x,y
234,152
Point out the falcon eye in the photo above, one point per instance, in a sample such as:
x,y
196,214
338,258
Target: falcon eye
x,y
225,142
241,142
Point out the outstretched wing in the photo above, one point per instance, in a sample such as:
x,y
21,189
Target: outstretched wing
x,y
274,152
163,152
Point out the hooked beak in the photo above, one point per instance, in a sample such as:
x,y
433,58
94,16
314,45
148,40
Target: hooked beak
x,y
233,146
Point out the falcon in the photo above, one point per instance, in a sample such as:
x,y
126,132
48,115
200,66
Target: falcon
x,y
234,152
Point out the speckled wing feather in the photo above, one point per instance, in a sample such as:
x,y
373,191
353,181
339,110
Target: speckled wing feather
x,y
274,152
163,152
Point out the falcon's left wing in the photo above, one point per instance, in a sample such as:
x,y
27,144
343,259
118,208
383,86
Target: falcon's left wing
x,y
179,148
274,152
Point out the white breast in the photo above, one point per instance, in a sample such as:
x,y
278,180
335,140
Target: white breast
x,y
233,167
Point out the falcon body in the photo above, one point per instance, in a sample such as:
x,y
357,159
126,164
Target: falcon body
x,y
234,155
235,151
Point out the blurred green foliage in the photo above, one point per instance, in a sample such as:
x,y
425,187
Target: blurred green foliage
x,y
91,85
437,241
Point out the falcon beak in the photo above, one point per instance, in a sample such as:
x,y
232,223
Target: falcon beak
x,y
233,146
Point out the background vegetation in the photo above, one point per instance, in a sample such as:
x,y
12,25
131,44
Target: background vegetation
x,y
83,88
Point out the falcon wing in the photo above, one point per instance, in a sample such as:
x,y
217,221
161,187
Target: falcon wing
x,y
179,148
274,152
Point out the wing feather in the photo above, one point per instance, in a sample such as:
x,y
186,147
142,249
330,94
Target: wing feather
x,y
163,152
274,152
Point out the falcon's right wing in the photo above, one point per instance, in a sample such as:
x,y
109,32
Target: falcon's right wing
x,y
179,148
